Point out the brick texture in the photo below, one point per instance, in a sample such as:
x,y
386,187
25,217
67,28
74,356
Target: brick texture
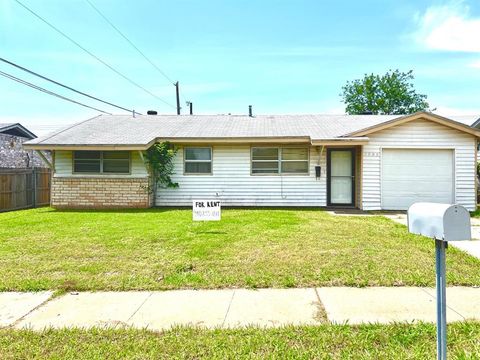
x,y
113,193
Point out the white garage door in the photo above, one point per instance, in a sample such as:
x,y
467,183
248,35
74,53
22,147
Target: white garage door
x,y
412,175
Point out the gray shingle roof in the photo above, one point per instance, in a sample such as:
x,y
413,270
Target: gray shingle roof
x,y
5,125
143,129
16,129
465,119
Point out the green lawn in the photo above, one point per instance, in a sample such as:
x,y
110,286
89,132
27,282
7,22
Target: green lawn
x,y
398,341
164,249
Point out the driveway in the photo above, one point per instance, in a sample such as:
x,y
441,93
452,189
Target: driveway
x,y
470,247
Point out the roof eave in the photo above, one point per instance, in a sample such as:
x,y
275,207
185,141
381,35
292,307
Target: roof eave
x,y
28,134
239,140
218,140
416,116
84,147
360,140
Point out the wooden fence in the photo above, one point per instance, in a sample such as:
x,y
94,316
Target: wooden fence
x,y
24,188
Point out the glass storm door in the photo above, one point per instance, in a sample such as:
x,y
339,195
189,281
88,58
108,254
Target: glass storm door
x,y
341,179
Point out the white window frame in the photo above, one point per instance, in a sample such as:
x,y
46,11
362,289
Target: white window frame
x,y
185,161
279,160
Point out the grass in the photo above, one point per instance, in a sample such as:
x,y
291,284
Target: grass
x,y
163,249
397,341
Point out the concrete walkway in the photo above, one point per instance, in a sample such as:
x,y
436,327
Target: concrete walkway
x,y
234,308
471,247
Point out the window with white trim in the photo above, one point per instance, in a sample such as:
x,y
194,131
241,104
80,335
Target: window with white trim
x,y
101,162
198,160
274,160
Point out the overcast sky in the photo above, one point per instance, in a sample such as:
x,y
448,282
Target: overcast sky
x,y
280,56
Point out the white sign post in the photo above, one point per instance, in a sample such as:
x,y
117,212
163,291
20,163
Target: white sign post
x,y
206,210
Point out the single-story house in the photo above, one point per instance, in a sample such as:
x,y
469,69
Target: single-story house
x,y
371,162
12,153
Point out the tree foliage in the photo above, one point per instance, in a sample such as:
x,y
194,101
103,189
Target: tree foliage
x,y
159,159
392,93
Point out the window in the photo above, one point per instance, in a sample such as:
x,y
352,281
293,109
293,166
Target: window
x,y
265,160
279,160
198,160
101,162
86,161
295,160
116,162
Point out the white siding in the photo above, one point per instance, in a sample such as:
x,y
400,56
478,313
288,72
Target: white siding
x,y
232,183
420,134
64,164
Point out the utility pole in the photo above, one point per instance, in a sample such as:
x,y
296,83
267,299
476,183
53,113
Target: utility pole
x,y
190,105
177,90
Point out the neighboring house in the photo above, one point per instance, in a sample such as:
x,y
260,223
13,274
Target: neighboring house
x,y
12,154
370,162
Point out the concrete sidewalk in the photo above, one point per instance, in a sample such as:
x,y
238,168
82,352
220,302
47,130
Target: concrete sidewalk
x,y
235,308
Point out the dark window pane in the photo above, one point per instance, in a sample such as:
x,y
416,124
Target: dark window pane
x,y
125,155
265,167
86,166
293,167
85,155
116,166
198,167
295,154
198,154
264,154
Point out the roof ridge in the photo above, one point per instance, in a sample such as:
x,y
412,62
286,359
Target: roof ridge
x,y
66,128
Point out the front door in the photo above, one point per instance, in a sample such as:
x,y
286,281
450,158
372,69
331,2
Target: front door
x,y
341,177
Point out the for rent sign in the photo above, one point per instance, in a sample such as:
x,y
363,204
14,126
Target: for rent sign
x,y
206,210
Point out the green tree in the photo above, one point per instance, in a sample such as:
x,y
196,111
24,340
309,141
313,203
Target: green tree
x,y
392,93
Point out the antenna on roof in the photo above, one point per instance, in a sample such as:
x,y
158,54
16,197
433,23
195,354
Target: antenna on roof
x,y
177,93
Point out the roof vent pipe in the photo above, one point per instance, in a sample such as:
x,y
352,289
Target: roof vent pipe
x,y
250,113
133,113
151,112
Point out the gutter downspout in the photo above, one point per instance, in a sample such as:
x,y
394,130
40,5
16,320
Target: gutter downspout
x,y
321,154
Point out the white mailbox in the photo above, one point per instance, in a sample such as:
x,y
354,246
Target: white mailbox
x,y
440,221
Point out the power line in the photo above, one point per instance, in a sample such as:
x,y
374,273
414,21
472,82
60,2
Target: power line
x,y
134,46
92,54
36,87
130,42
62,85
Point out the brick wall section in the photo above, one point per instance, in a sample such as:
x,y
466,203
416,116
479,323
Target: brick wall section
x,y
113,193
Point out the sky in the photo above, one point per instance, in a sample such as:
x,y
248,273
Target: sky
x,y
281,56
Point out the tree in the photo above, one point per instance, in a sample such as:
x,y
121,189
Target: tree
x,y
392,93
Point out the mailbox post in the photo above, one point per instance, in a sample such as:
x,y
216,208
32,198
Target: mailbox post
x,y
443,223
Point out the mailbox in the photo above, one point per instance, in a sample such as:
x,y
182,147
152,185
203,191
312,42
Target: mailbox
x,y
440,221
443,222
